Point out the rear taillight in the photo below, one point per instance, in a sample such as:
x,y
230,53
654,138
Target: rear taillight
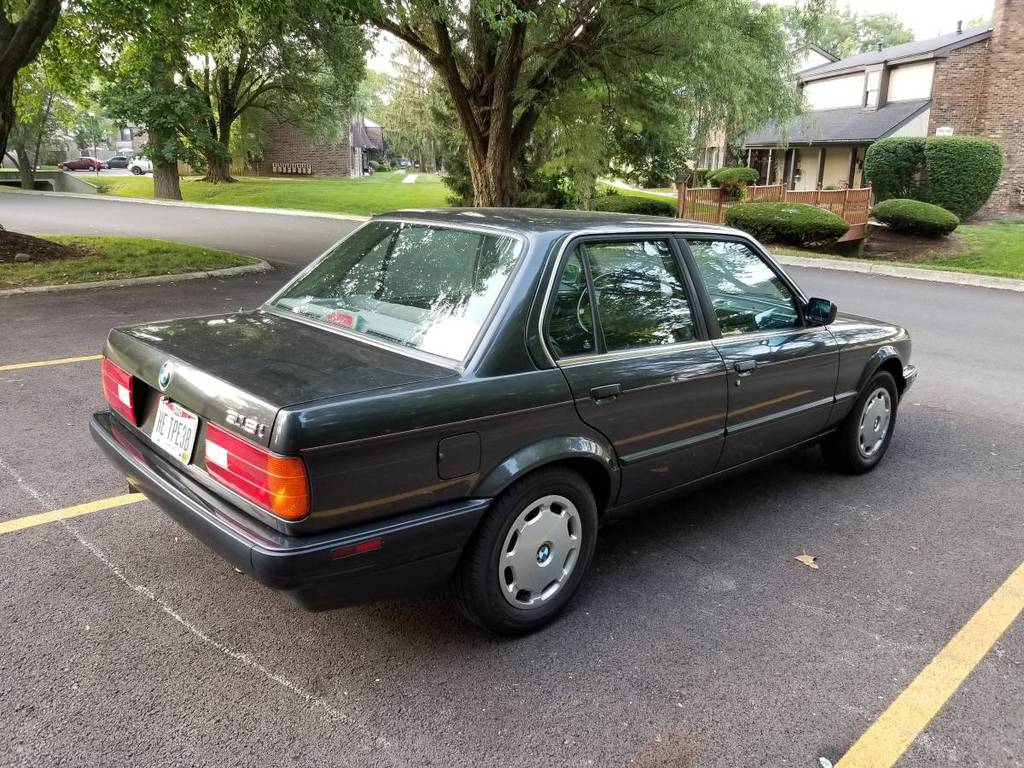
x,y
119,387
278,484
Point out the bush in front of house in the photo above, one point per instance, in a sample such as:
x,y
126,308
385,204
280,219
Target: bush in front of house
x,y
699,177
915,217
733,180
789,223
958,173
639,206
962,171
895,167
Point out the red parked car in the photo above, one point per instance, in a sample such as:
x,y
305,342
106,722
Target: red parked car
x,y
82,164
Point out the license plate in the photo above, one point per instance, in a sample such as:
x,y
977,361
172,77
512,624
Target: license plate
x,y
175,430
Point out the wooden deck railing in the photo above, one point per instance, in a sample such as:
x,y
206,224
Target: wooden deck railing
x,y
709,204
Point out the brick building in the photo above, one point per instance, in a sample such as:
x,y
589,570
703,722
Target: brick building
x,y
969,82
289,150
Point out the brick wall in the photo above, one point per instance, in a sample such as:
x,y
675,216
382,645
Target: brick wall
x,y
960,90
1003,120
290,144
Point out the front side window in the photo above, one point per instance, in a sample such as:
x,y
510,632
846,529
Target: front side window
x,y
427,287
746,293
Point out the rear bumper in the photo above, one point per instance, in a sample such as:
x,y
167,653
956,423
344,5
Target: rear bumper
x,y
417,552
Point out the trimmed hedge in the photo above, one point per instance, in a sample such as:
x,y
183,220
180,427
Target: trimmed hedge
x,y
789,223
962,172
958,173
733,180
915,217
895,167
699,177
640,206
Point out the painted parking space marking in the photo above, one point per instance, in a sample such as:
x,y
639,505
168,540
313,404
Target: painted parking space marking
x,y
29,521
41,363
894,731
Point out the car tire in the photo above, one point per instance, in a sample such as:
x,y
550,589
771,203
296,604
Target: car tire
x,y
502,582
136,171
864,436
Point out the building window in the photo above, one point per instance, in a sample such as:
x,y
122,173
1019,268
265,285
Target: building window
x,y
871,85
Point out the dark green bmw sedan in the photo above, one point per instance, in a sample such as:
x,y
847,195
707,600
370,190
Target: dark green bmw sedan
x,y
464,398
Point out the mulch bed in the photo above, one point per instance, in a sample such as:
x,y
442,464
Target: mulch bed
x,y
892,246
12,243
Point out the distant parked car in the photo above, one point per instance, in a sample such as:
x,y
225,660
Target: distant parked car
x,y
140,165
117,161
82,164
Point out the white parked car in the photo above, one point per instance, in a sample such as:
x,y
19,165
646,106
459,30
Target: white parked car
x,y
140,165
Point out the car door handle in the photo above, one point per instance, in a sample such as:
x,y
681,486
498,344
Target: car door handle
x,y
745,367
605,393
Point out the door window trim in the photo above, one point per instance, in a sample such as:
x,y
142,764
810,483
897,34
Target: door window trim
x,y
715,332
671,237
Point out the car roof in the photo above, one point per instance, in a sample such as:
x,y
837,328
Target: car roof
x,y
550,220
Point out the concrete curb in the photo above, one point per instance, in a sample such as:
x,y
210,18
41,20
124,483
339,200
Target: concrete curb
x,y
183,204
910,273
247,269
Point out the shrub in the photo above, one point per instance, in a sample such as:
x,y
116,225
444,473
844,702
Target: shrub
x,y
733,180
915,217
962,172
700,176
789,223
958,173
640,206
373,164
895,167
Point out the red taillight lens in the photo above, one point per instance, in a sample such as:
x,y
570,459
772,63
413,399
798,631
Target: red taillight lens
x,y
119,389
278,484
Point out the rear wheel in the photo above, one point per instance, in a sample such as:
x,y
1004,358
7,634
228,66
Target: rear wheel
x,y
530,553
136,171
863,438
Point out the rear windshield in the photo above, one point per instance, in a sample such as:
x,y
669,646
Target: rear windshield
x,y
426,287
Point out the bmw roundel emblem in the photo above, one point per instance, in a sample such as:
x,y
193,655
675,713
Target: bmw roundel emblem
x,y
166,371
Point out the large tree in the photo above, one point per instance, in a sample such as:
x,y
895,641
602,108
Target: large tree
x,y
844,32
21,38
299,59
506,63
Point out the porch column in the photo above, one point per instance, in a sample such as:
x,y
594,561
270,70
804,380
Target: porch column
x,y
768,175
853,166
821,168
792,168
749,150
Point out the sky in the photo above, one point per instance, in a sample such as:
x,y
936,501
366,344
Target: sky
x,y
927,18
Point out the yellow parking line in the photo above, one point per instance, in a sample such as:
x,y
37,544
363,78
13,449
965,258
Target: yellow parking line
x,y
894,731
9,526
59,361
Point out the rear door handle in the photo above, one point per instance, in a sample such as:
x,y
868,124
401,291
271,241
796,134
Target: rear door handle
x,y
745,367
606,392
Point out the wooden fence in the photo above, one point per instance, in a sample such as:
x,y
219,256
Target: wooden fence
x,y
709,204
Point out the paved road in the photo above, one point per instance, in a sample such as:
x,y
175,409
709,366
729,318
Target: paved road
x,y
280,239
697,641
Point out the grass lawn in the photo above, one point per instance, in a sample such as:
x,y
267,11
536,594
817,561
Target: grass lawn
x,y
375,194
649,194
987,248
116,258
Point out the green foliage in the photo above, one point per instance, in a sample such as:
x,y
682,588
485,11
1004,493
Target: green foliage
x,y
915,217
844,32
788,223
963,171
958,173
700,176
639,206
895,166
410,100
733,180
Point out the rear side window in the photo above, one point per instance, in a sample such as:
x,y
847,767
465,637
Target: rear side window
x,y
635,290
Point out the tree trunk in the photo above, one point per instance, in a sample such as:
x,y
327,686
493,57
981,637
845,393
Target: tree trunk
x,y
218,161
492,177
6,113
166,184
28,179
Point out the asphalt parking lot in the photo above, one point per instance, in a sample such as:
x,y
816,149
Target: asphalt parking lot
x,y
698,640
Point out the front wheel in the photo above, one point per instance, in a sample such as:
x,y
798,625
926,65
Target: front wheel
x,y
529,555
863,438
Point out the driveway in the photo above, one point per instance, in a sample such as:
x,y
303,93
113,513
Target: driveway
x,y
279,238
697,641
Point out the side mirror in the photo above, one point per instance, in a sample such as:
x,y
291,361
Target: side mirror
x,y
820,312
